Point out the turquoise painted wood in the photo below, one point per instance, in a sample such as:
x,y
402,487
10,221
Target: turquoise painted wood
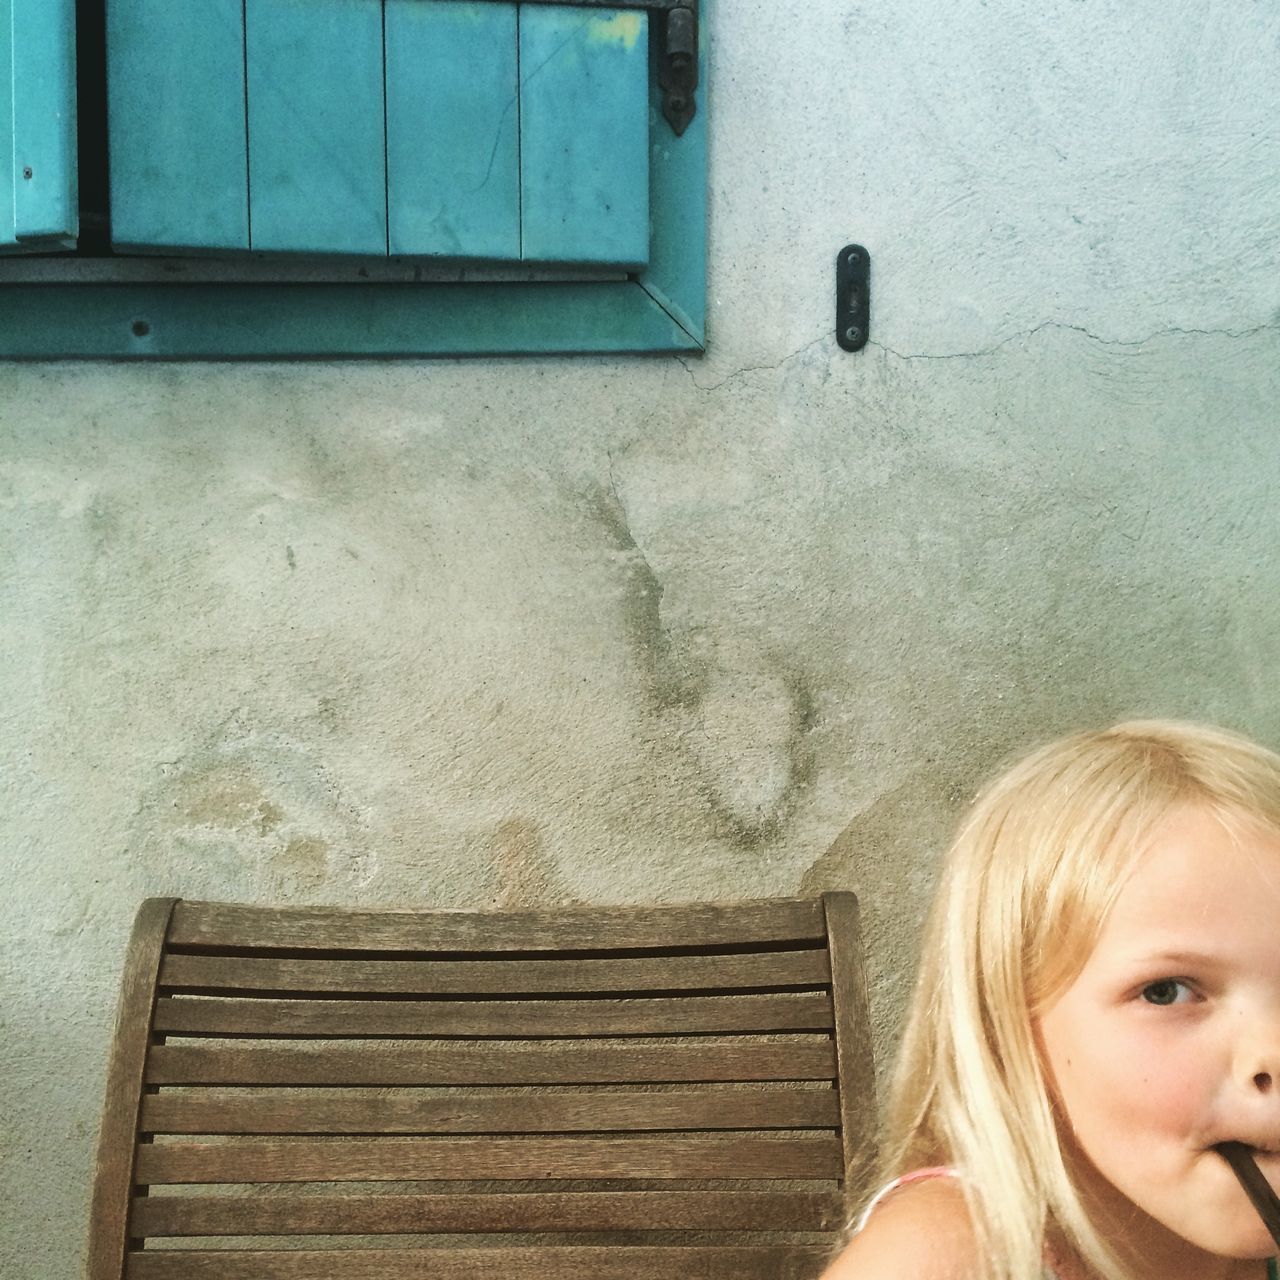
x,y
175,107
584,136
317,157
452,137
38,200
178,322
677,271
8,228
660,309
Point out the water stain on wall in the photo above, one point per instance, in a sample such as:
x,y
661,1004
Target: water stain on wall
x,y
669,677
889,854
739,713
525,872
255,818
224,794
749,734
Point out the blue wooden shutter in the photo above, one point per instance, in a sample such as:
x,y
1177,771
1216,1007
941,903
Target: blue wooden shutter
x,y
176,122
247,124
453,184
584,135
464,129
38,192
317,134
518,132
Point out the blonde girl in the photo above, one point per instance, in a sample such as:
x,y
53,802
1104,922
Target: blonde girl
x,y
1098,1007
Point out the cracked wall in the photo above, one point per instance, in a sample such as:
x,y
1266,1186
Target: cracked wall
x,y
513,632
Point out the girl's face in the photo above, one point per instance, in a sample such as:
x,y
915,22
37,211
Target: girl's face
x,y
1168,1042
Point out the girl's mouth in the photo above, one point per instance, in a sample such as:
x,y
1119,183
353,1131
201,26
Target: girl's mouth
x,y
1241,1158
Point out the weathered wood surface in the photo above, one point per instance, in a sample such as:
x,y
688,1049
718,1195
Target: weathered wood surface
x,y
774,969
639,1262
393,1064
410,1159
249,1215
857,1082
117,1139
510,1019
283,1023
567,1112
203,924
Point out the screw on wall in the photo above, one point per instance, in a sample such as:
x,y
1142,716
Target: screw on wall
x,y
853,297
28,172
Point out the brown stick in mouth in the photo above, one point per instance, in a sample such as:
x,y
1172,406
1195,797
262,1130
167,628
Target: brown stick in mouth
x,y
1255,1185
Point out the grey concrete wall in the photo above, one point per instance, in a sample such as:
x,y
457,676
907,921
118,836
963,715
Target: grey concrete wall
x,y
528,632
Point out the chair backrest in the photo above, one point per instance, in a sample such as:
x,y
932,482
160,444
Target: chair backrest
x,y
321,1094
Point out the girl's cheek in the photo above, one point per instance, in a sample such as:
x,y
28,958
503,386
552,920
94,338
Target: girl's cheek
x,y
1172,1090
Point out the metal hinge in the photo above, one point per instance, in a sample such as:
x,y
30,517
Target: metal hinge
x,y
678,61
853,297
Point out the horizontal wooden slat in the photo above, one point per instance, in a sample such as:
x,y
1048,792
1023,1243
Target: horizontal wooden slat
x,y
391,1065
188,1015
639,1262
213,924
238,1215
333,1160
773,969
510,1113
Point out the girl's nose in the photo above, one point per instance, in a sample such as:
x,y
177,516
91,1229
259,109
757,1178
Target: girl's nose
x,y
1259,1060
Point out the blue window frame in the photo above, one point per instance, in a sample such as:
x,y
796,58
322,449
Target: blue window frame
x,y
490,177
37,116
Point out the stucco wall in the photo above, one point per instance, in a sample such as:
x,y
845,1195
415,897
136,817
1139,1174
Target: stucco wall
x,y
525,632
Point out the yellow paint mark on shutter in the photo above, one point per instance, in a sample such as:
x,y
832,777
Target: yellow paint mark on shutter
x,y
622,29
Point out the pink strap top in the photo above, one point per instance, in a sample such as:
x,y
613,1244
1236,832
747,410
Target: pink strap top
x,y
916,1175
945,1171
922,1175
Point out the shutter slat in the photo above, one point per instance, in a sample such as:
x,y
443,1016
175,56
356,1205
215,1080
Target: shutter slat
x,y
175,90
317,146
38,190
452,163
584,135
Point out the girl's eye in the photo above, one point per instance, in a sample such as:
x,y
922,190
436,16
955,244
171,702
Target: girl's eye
x,y
1167,991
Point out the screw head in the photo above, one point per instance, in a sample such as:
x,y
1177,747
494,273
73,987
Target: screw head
x,y
852,333
28,172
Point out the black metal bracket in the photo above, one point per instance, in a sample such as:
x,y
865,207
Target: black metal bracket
x,y
678,68
678,61
853,297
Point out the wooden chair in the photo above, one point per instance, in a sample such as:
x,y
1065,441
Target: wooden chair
x,y
585,1094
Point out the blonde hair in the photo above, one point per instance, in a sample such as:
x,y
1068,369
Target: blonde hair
x,y
1029,880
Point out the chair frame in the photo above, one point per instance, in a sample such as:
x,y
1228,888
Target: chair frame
x,y
731,999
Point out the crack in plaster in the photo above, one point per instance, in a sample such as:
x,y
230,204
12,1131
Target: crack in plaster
x,y
1075,328
1133,343
756,368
